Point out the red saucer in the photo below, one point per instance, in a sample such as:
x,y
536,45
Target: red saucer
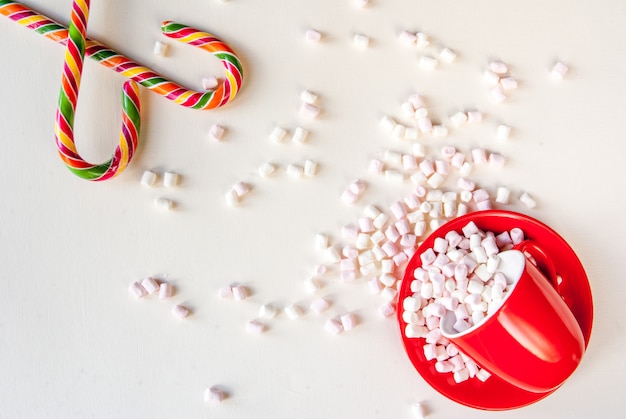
x,y
496,394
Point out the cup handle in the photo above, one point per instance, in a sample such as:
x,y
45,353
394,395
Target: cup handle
x,y
543,262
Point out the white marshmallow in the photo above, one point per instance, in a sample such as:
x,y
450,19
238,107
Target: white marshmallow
x,y
266,169
278,134
300,135
309,110
166,290
214,395
255,327
150,285
308,96
210,83
160,49
333,326
268,311
559,70
216,132
148,178
361,41
527,200
313,35
180,311
293,311
164,204
137,290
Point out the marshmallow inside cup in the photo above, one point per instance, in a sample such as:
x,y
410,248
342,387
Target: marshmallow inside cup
x,y
512,263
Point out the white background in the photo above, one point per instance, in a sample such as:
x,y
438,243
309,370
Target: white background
x,y
75,344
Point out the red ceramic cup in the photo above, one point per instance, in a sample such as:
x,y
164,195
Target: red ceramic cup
x,y
532,340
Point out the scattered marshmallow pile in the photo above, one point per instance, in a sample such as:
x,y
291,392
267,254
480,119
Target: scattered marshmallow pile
x,y
294,311
428,60
165,291
171,179
458,274
501,81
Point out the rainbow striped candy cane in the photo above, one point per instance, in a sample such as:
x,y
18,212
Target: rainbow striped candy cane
x,y
70,85
222,95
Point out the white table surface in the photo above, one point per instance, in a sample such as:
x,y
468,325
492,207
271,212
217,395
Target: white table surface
x,y
75,344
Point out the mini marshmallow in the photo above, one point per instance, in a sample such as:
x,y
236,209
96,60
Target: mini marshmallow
x,y
170,179
498,67
278,134
459,118
348,321
310,168
394,176
361,3
496,160
293,311
333,326
435,180
387,309
418,411
389,294
240,292
491,78
148,178
225,292
320,305
309,110
398,132
150,285
295,171
425,125
332,255
312,285
255,327
313,35
508,83
474,116
497,94
180,311
164,204
461,375
214,395
266,169
268,311
231,198
300,135
160,49
527,200
428,62
411,133
517,235
241,189
322,241
503,132
308,96
439,131
559,70
503,195
407,38
361,41
210,83
166,290
422,40
479,156
447,55
216,132
137,290
388,123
